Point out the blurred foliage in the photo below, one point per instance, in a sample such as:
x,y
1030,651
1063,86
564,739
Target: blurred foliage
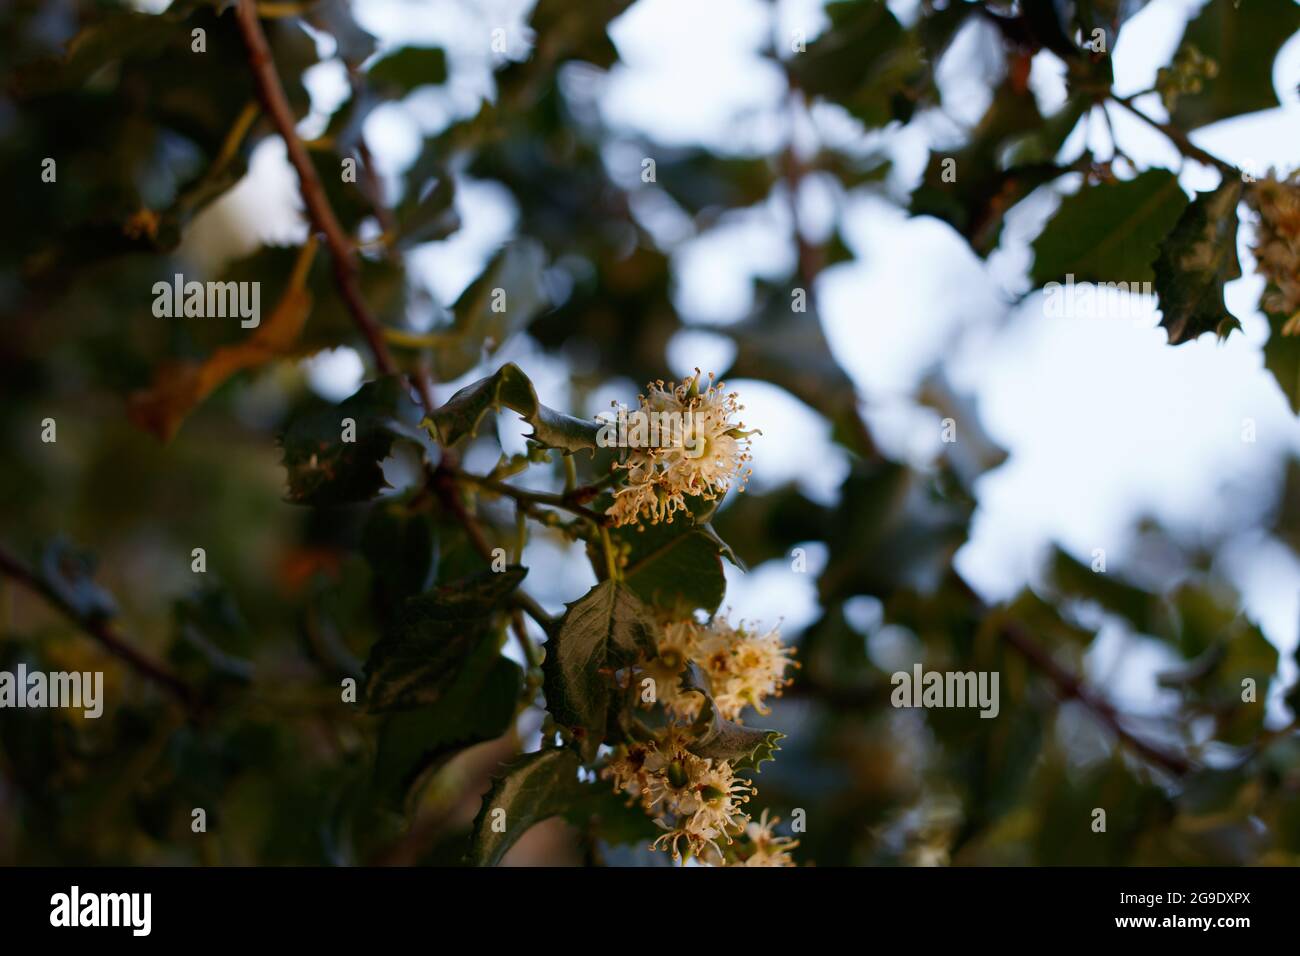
x,y
331,565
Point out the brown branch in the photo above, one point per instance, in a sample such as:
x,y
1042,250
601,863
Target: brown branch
x,y
100,630
319,210
1070,687
1178,138
443,480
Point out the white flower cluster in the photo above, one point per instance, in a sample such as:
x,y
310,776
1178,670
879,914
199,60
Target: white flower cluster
x,y
661,477
745,666
697,801
1277,245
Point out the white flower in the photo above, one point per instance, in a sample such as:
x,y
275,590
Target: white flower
x,y
696,801
701,451
768,849
1277,245
745,666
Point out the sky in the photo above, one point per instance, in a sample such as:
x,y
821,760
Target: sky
x,y
1104,423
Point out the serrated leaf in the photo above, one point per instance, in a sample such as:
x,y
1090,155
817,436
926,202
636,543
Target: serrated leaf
x,y
606,629
1110,232
534,787
1195,262
325,470
434,639
498,304
509,388
478,707
745,748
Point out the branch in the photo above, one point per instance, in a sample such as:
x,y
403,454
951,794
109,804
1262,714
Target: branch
x,y
443,481
1178,138
565,501
319,210
1070,687
101,630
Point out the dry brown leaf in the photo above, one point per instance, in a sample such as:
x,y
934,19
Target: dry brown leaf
x,y
180,386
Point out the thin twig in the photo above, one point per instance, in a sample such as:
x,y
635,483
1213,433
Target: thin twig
x,y
1178,138
318,207
563,502
100,630
1070,687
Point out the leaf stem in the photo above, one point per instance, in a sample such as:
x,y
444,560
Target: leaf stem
x,y
607,545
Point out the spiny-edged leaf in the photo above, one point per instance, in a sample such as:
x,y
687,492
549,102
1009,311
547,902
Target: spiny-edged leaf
x,y
499,303
1282,358
606,629
478,707
510,388
745,748
437,634
1110,232
534,787
675,566
323,468
400,71
1243,37
1195,261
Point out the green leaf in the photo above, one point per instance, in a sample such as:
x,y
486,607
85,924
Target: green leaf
x,y
498,304
1195,261
745,748
479,707
865,61
675,566
426,652
401,549
1110,232
1011,153
603,631
334,17
1282,358
1072,579
399,72
534,787
323,469
509,388
428,217
1243,37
